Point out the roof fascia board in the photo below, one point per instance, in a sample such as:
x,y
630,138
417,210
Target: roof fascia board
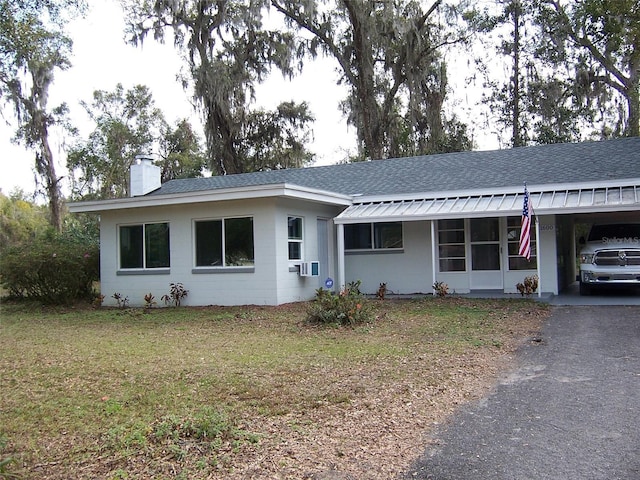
x,y
236,193
497,191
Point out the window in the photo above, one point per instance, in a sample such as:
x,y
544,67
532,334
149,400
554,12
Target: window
x,y
144,246
295,238
368,236
451,245
224,243
516,262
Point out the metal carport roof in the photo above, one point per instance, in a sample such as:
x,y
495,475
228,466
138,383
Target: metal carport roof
x,y
550,199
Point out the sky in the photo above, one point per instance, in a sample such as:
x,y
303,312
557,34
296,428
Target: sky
x,y
101,59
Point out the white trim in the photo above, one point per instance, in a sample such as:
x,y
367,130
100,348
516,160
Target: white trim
x,y
218,195
341,264
435,258
538,258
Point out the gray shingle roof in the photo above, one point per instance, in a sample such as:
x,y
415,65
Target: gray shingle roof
x,y
537,165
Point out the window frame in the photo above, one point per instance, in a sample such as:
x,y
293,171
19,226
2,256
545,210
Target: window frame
x,y
144,247
293,240
249,267
375,237
458,244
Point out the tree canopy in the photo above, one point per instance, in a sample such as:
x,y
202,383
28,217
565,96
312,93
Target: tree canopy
x,y
574,68
228,51
33,46
129,124
391,57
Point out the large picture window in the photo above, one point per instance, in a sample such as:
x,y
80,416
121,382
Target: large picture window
x,y
516,262
373,236
224,243
295,235
451,245
144,246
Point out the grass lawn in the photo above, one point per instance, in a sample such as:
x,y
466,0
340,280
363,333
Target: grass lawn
x,y
242,392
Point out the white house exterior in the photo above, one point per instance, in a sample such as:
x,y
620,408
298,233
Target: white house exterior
x,y
452,218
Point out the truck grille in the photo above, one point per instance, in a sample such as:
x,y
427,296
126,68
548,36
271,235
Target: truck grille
x,y
620,258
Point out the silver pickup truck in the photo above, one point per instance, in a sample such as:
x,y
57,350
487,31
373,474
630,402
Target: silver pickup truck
x,y
610,256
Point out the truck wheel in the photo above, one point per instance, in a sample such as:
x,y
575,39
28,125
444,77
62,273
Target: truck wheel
x,y
585,289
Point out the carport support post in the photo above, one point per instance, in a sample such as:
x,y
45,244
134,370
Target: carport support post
x,y
340,244
433,256
538,257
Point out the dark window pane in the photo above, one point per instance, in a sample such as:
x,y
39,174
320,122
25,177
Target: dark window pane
x,y
131,246
521,263
295,228
157,245
485,229
357,236
295,251
452,265
455,224
485,257
388,235
451,251
238,241
451,236
209,243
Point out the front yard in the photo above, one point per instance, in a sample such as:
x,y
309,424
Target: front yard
x,y
242,392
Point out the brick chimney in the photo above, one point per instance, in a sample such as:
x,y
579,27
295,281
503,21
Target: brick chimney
x,y
144,176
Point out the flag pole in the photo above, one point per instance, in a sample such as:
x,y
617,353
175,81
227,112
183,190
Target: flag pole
x,y
533,213
524,245
538,254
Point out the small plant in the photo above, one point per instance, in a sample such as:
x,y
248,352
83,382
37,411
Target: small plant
x,y
122,302
149,301
97,301
441,289
354,287
6,462
382,291
529,286
206,425
176,294
321,292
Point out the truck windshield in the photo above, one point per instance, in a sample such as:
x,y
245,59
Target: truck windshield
x,y
618,230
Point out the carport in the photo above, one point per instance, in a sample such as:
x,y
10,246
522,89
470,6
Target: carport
x,y
562,213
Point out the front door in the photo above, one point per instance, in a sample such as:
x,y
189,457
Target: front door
x,y
486,271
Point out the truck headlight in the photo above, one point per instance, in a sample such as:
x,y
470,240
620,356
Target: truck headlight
x,y
586,258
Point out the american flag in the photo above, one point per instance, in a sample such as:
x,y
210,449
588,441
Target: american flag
x,y
525,230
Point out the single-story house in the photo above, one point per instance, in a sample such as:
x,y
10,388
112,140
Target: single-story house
x,y
275,237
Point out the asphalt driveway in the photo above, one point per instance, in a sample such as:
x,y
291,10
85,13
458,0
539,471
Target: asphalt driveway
x,y
570,409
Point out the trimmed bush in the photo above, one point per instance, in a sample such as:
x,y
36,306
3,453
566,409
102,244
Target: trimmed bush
x,y
349,307
54,270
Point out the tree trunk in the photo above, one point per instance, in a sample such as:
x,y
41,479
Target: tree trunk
x,y
633,124
516,139
46,167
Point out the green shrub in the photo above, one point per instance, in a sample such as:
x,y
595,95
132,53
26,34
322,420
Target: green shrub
x,y
349,307
54,269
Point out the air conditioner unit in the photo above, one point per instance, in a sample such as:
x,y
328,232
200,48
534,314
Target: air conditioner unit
x,y
310,269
